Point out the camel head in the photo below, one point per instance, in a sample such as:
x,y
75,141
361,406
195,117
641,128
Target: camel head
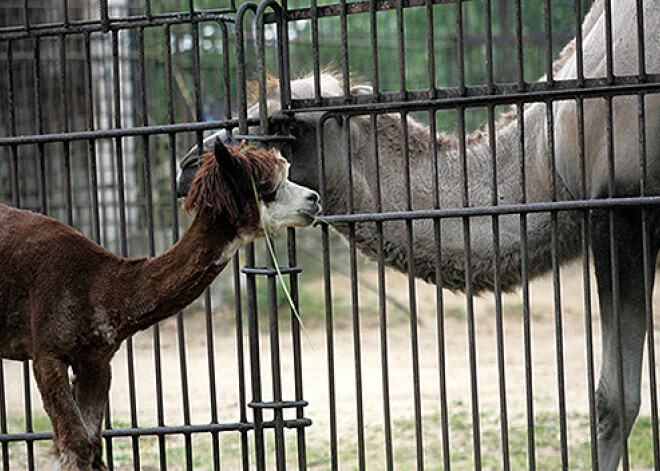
x,y
304,151
249,187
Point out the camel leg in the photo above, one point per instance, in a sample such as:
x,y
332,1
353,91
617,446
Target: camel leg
x,y
630,327
71,442
90,391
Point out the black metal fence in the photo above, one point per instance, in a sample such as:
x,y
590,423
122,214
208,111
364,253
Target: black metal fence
x,y
100,100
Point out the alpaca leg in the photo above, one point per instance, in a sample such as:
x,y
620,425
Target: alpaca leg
x,y
625,326
90,391
71,442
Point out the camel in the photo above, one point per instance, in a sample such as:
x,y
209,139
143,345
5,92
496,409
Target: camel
x,y
626,321
67,302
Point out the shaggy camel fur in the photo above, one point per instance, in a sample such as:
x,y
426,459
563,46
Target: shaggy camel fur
x,y
614,421
67,302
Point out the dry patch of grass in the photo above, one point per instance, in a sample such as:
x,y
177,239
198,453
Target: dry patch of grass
x,y
203,453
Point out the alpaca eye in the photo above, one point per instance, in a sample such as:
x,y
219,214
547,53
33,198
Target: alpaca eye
x,y
267,192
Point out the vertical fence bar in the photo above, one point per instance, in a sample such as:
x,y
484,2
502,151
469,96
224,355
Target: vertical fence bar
x,y
215,439
146,166
285,103
105,17
412,294
327,284
282,58
615,281
499,321
401,48
585,228
382,305
15,190
255,364
162,445
585,237
276,369
373,36
167,39
15,201
143,116
469,299
588,319
316,57
66,151
524,276
121,203
355,302
547,15
43,197
520,57
430,45
252,314
609,44
330,349
460,48
437,237
490,80
3,417
91,143
646,237
559,336
343,18
439,299
648,283
579,53
240,355
297,350
43,207
180,324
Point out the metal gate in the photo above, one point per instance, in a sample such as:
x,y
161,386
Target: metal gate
x,y
101,99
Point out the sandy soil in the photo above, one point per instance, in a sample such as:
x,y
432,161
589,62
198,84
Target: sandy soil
x,y
315,369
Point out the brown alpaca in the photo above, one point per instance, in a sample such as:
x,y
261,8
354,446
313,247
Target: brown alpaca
x,y
67,302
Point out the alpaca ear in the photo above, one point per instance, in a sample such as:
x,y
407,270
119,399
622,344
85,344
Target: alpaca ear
x,y
233,170
226,162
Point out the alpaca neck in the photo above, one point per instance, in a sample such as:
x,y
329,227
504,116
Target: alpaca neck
x,y
166,284
480,193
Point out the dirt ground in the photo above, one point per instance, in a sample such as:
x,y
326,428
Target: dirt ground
x,y
315,371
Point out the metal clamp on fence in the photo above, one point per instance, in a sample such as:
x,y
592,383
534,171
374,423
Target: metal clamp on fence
x,y
265,137
270,271
278,404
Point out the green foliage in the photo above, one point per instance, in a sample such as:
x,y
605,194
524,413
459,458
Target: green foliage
x,y
414,62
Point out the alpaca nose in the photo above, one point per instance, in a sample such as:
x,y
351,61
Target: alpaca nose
x,y
314,197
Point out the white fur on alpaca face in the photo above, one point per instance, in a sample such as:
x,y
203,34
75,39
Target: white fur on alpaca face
x,y
293,205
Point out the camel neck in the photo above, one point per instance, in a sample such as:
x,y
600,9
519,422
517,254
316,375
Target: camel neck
x,y
483,178
166,284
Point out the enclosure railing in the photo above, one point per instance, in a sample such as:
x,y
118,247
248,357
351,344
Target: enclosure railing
x,y
101,99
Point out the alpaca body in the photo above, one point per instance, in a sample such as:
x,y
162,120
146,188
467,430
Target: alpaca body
x,y
65,302
54,309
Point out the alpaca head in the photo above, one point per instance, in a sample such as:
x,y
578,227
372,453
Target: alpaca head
x,y
249,187
304,151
